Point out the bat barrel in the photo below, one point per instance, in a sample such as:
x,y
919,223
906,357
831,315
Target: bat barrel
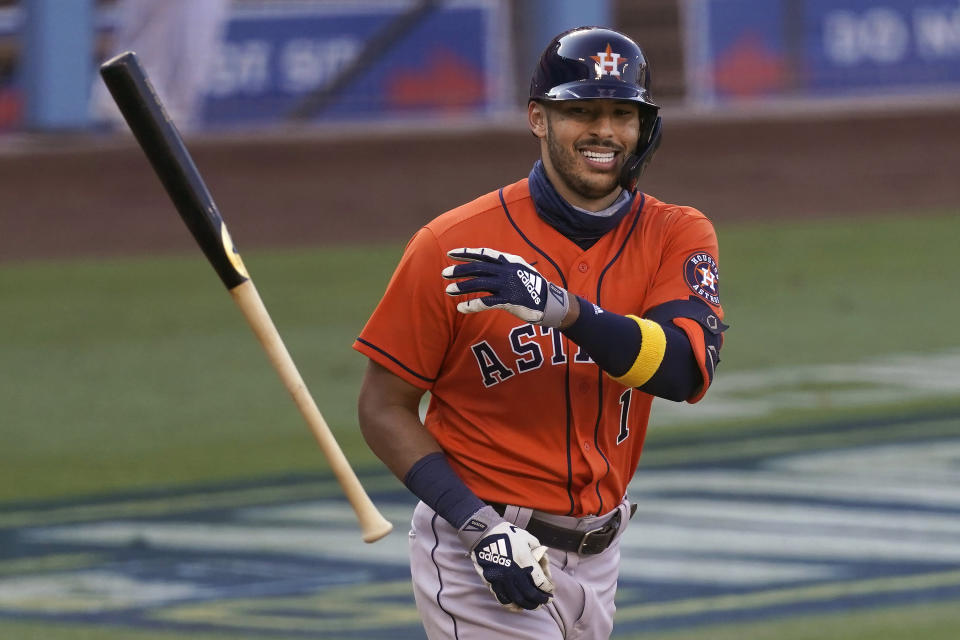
x,y
164,148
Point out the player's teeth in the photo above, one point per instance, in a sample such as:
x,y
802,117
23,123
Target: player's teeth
x,y
603,157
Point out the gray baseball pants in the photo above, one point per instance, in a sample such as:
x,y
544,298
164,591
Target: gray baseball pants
x,y
455,603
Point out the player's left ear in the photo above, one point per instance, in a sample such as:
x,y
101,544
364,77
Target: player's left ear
x,y
537,119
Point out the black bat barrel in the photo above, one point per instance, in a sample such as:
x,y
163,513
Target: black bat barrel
x,y
164,148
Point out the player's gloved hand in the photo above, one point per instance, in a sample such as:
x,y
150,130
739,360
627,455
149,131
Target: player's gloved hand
x,y
512,562
514,285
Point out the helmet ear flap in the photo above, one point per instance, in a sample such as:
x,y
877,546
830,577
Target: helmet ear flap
x,y
637,162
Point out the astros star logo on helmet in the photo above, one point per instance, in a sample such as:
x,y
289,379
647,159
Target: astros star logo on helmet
x,y
608,62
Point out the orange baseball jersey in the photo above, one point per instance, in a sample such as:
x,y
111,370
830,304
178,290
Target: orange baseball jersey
x,y
524,416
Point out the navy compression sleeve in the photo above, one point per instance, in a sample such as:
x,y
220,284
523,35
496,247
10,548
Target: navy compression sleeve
x,y
656,358
433,480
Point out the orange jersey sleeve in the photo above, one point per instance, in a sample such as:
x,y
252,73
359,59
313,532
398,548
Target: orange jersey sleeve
x,y
689,266
413,305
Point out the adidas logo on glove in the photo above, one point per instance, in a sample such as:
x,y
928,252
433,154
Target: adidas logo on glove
x,y
532,283
496,552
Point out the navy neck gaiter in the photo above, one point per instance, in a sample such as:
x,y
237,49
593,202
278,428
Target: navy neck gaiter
x,y
582,227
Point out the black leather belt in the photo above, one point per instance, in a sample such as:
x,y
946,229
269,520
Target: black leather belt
x,y
583,542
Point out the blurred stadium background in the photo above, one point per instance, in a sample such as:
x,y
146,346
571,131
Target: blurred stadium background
x,y
156,482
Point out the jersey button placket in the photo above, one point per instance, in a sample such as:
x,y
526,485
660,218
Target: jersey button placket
x,y
583,267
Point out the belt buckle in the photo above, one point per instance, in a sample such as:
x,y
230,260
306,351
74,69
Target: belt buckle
x,y
612,524
586,537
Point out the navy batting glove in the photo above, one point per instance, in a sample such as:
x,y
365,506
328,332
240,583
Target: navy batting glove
x,y
510,560
499,565
512,283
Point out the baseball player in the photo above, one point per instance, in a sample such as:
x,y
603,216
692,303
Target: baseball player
x,y
542,318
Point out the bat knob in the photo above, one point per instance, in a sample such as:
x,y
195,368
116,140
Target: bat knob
x,y
375,527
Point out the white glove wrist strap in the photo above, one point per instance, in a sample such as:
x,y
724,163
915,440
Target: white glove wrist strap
x,y
478,525
556,307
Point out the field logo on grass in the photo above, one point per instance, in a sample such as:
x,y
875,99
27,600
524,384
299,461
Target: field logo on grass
x,y
792,522
889,380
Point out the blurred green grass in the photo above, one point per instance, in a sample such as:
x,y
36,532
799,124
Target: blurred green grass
x,y
838,290
927,621
139,372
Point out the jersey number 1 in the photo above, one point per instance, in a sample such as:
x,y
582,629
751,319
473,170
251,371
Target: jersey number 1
x,y
624,413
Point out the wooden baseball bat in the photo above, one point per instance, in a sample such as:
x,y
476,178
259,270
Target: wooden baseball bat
x,y
163,146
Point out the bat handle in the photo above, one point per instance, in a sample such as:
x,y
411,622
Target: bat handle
x,y
372,523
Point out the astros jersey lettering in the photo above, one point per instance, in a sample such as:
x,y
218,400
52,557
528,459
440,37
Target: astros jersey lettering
x,y
525,416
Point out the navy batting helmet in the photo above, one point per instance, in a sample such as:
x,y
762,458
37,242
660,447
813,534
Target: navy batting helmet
x,y
589,63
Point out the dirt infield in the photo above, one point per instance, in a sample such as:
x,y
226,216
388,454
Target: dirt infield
x,y
98,196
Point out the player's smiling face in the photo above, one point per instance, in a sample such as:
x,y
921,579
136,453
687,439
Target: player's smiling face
x,y
584,143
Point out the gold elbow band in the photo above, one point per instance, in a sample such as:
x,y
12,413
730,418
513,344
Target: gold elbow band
x,y
653,344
